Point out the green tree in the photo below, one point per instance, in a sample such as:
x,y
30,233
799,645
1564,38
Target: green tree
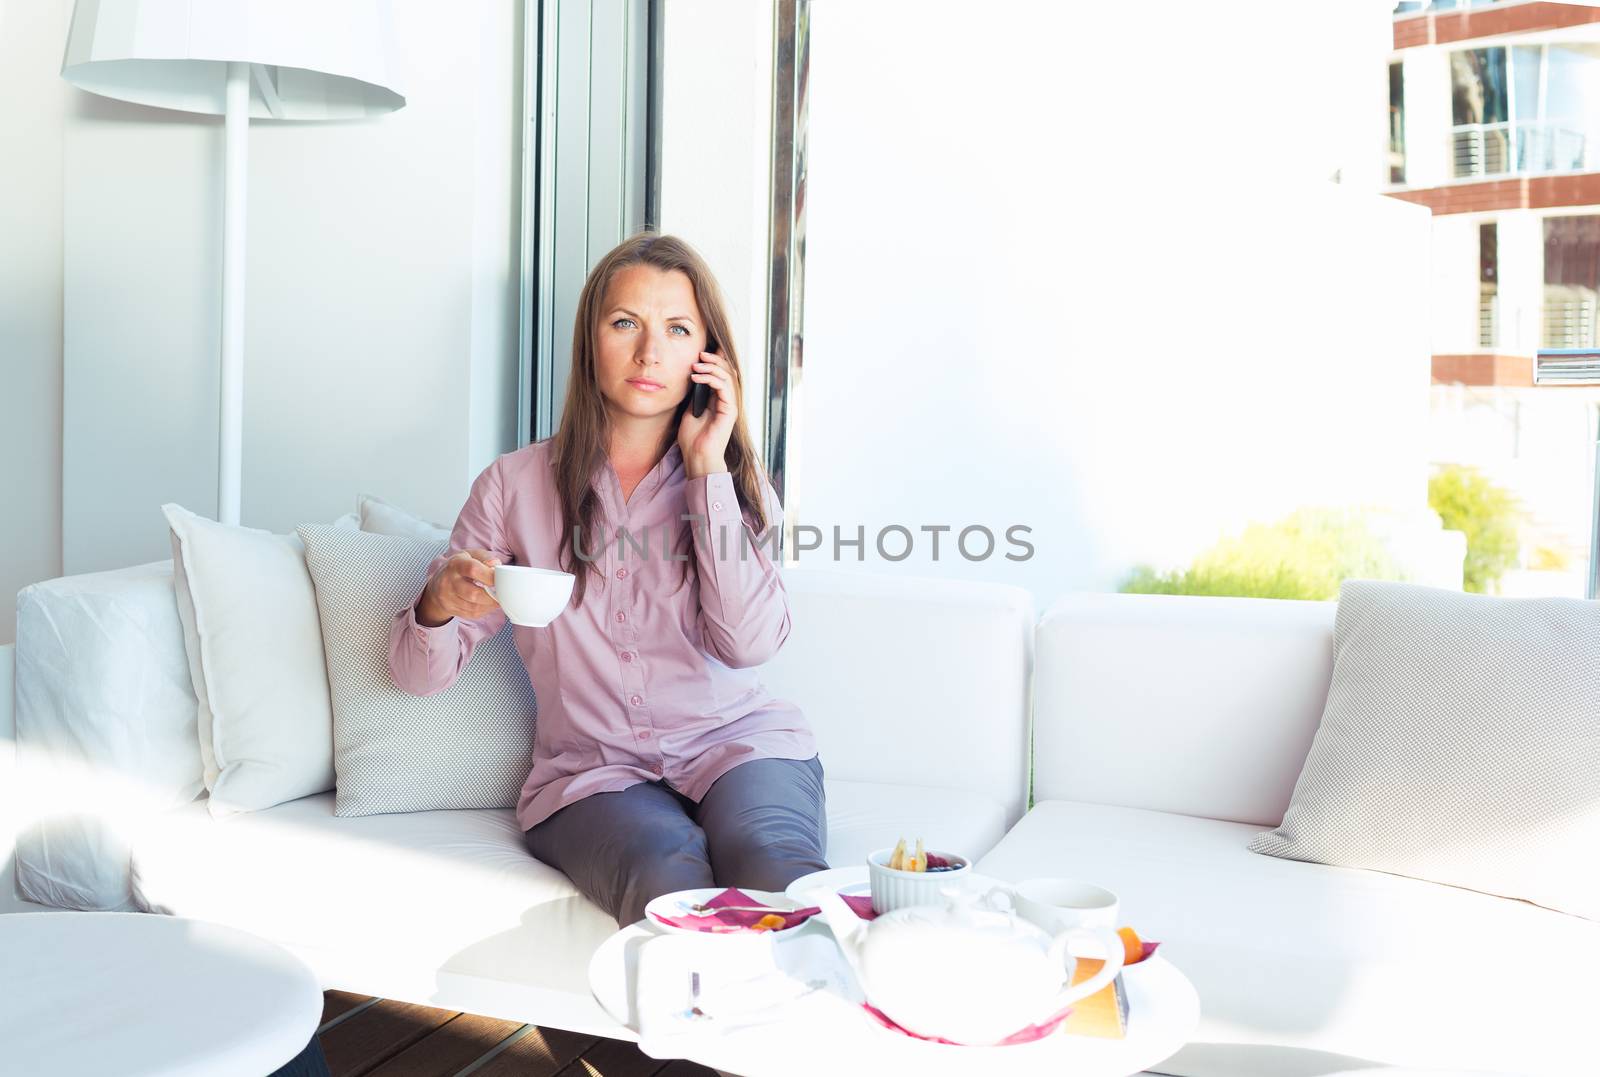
x,y
1487,514
1306,555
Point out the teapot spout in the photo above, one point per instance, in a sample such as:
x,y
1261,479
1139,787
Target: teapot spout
x,y
849,930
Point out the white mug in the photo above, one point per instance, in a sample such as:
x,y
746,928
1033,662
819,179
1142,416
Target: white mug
x,y
1059,904
531,596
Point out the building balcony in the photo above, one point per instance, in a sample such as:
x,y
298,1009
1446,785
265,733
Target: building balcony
x,y
1522,149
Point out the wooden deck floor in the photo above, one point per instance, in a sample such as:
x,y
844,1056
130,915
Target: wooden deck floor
x,y
369,1037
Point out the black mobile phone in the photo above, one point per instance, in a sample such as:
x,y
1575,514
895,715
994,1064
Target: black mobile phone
x,y
699,399
700,395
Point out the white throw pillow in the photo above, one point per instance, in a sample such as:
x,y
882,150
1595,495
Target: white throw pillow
x,y
1460,744
105,729
254,648
381,518
467,747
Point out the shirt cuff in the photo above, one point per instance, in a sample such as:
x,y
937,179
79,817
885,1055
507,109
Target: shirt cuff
x,y
434,637
713,496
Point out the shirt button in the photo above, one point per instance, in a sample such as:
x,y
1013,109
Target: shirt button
x,y
622,573
645,735
621,616
716,506
627,656
636,699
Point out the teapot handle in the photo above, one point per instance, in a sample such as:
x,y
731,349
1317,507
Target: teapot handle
x,y
987,899
1108,941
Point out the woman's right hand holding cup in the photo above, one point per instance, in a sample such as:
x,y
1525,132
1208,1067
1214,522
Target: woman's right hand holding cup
x,y
459,589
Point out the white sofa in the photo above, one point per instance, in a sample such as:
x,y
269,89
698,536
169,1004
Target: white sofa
x,y
1166,731
916,689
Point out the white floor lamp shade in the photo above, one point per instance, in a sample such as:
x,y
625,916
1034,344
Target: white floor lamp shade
x,y
272,59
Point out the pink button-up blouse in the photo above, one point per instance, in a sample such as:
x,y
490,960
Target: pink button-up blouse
x,y
648,679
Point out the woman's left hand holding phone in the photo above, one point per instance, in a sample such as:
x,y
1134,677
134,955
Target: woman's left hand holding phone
x,y
703,440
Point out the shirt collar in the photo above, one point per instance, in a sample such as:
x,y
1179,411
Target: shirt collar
x,y
665,468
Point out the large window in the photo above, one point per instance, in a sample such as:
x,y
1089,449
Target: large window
x,y
1571,281
1480,110
1397,124
1524,109
1488,284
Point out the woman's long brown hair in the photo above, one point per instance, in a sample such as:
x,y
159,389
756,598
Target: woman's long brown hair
x,y
582,444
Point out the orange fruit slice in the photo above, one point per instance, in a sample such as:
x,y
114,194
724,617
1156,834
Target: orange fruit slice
x,y
769,922
1132,945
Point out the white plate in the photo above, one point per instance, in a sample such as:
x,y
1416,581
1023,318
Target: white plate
x,y
667,904
843,880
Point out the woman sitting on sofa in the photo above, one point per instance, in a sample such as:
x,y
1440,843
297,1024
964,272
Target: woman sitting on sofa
x,y
660,762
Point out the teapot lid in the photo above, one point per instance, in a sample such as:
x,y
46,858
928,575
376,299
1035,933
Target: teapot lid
x,y
990,915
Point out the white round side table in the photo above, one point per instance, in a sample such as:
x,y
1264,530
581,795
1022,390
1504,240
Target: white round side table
x,y
93,993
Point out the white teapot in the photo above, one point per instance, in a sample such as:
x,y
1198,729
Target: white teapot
x,y
965,970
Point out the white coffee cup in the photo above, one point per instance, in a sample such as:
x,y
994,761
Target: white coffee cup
x,y
532,597
1059,904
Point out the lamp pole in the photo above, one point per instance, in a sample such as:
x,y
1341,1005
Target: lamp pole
x,y
299,61
236,132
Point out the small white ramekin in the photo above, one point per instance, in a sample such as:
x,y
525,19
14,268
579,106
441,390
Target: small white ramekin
x,y
893,889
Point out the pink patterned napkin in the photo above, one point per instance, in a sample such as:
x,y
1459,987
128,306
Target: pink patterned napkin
x,y
724,922
1026,1035
861,905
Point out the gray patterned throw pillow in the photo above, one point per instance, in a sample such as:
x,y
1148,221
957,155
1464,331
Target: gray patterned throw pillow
x,y
467,747
1460,744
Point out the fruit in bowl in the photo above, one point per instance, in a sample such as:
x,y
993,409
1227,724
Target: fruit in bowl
x,y
921,860
900,878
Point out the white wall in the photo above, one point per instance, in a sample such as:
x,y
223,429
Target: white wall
x,y
1455,291
1429,149
1520,251
32,37
381,316
1113,299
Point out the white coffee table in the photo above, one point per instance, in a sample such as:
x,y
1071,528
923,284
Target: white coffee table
x,y
828,1033
94,993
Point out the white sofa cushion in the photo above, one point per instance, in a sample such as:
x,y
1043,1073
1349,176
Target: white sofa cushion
x,y
384,904
448,908
470,746
105,728
1460,744
255,648
1297,961
864,816
913,681
381,518
1179,703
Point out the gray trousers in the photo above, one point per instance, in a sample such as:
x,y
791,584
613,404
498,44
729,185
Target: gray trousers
x,y
761,825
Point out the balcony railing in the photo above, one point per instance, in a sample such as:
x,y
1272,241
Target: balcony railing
x,y
1569,317
1488,319
1566,366
1498,149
